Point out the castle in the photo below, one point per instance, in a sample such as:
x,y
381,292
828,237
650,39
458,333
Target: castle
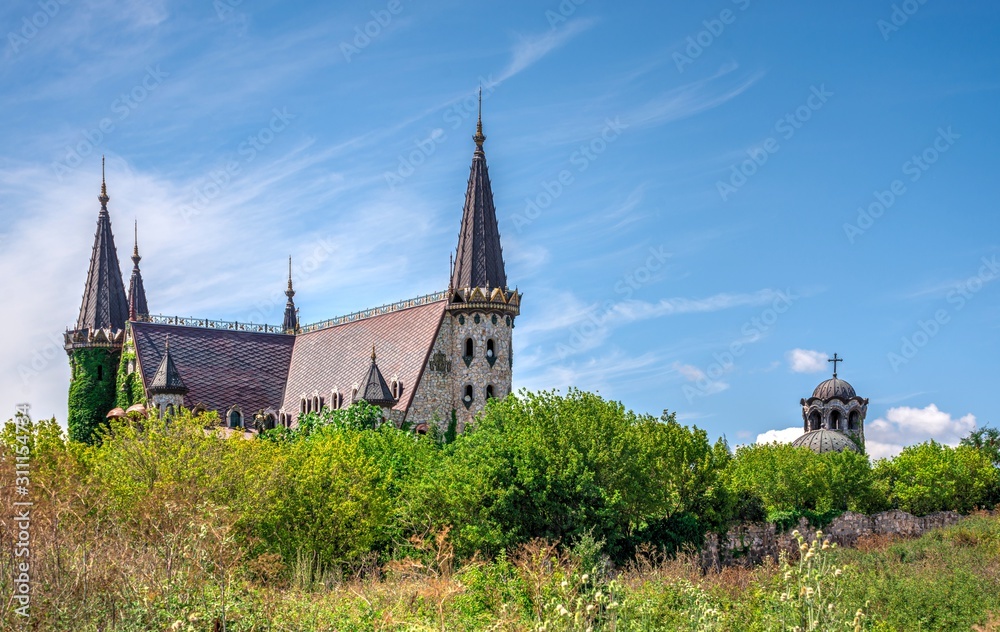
x,y
434,359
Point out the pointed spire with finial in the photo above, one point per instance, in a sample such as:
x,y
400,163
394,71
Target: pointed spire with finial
x,y
291,321
137,306
479,260
167,380
103,197
480,138
105,304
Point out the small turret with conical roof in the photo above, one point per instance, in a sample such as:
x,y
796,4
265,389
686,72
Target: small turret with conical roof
x,y
374,388
137,307
166,390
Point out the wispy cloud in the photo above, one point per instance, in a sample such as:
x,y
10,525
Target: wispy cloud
x,y
529,49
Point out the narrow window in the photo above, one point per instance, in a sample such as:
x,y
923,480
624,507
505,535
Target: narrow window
x,y
468,394
469,347
234,419
490,351
100,372
489,392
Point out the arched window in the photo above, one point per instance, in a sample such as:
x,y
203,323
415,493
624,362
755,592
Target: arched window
x,y
396,387
170,410
489,392
491,351
269,422
302,404
469,348
316,403
852,420
468,397
835,420
334,399
814,421
235,418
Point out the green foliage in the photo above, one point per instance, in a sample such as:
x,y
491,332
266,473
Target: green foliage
x,y
92,392
557,467
987,441
933,477
129,388
790,480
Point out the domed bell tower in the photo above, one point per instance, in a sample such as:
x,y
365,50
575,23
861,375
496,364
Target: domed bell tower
x,y
481,308
835,405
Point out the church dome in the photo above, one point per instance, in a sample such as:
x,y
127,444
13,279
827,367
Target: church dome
x,y
834,387
823,440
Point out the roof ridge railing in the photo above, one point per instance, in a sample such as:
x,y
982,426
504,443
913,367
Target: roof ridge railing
x,y
227,325
376,311
208,323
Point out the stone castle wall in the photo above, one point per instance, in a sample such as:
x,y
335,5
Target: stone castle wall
x,y
448,371
751,544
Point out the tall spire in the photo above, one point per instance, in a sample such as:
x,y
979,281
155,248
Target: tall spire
x,y
137,306
291,321
104,302
479,259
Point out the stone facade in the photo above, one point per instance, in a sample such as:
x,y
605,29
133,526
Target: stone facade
x,y
751,544
449,370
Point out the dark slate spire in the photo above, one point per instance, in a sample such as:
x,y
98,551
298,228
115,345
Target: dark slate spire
x,y
291,322
104,302
479,261
374,390
136,292
166,380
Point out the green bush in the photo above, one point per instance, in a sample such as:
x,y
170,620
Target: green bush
x,y
933,477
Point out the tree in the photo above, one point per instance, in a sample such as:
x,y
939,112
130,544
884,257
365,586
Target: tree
x,y
931,477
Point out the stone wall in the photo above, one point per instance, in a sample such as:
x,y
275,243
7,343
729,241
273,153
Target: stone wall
x,y
751,544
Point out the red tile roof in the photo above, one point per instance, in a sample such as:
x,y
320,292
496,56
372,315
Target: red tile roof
x,y
340,356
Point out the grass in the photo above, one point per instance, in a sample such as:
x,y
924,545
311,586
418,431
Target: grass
x,y
949,579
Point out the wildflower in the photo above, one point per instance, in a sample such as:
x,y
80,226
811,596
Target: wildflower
x,y
599,595
585,578
826,544
562,610
564,583
788,575
838,572
809,592
177,625
590,607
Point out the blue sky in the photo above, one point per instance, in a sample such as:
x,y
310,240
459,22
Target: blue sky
x,y
699,202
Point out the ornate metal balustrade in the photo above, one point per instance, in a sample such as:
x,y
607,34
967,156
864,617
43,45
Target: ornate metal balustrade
x,y
376,311
184,321
159,319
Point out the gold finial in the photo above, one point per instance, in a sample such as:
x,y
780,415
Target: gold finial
x,y
103,197
289,292
479,138
373,352
166,345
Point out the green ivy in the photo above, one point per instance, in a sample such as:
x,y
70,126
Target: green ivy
x,y
91,398
129,386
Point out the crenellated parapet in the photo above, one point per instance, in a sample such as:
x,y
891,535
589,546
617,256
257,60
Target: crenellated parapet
x,y
485,299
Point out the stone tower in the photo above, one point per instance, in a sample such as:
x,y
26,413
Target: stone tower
x,y
94,346
481,308
166,390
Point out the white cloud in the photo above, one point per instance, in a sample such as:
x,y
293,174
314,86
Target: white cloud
x,y
529,50
705,385
905,426
689,371
785,435
806,360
